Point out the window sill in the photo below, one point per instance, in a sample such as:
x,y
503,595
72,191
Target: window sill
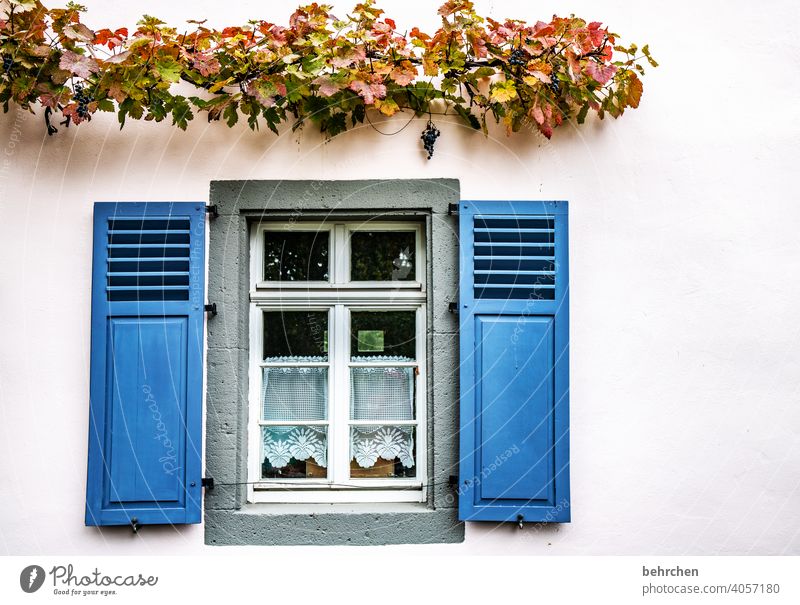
x,y
336,508
345,524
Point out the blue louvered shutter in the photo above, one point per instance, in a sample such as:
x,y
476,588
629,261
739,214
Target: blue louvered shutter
x,y
514,362
145,410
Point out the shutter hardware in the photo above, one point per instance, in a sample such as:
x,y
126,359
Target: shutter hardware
x,y
212,210
452,481
211,308
135,524
452,209
207,482
452,307
520,519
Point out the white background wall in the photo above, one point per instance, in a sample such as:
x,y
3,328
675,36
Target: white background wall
x,y
685,277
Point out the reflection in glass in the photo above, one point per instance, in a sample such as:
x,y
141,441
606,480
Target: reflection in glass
x,y
296,333
382,256
296,255
397,339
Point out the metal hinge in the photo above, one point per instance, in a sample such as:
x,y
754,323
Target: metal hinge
x,y
210,308
452,209
452,307
212,210
207,482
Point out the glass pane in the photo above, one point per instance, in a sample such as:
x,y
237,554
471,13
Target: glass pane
x,y
294,452
383,335
296,335
382,393
382,255
382,451
295,394
296,255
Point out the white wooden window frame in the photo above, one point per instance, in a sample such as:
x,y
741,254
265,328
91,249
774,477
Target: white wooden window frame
x,y
338,296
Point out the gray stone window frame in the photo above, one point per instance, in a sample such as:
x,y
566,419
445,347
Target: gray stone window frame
x,y
229,518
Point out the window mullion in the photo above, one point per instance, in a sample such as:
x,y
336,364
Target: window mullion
x,y
341,397
340,254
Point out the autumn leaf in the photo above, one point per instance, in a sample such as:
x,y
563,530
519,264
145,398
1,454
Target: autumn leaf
x,y
404,74
206,64
119,57
600,73
327,86
502,92
78,31
81,66
369,91
634,90
389,107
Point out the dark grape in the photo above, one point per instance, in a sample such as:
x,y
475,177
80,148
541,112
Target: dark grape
x,y
429,136
8,63
555,85
518,57
83,99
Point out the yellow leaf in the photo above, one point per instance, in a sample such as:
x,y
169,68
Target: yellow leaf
x,y
220,85
387,107
503,91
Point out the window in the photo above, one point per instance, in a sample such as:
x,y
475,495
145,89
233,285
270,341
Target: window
x,y
337,395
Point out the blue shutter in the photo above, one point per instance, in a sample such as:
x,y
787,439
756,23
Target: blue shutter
x,y
145,409
514,365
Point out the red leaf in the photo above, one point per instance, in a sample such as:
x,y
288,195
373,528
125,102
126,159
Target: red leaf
x,y
369,91
599,72
77,64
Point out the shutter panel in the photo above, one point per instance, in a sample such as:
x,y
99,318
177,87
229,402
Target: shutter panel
x,y
145,409
514,365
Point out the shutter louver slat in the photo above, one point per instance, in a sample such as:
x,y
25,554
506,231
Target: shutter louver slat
x,y
148,259
503,250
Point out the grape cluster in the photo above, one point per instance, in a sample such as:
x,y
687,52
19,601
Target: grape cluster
x,y
429,136
518,58
8,63
555,85
83,98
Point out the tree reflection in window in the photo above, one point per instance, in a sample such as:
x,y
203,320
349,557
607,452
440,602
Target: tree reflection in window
x,y
296,255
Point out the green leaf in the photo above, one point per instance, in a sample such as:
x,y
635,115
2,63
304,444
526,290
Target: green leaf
x,y
181,112
359,113
336,123
273,118
168,69
646,53
582,113
468,117
231,114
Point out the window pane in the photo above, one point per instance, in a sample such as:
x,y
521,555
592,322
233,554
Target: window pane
x,y
383,334
382,255
296,255
382,451
382,393
296,335
295,394
294,452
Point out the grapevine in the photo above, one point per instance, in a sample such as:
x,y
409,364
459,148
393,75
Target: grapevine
x,y
335,73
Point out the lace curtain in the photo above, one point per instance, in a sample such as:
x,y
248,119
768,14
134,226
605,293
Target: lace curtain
x,y
301,393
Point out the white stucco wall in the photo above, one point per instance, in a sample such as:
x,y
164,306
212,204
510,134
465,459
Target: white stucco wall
x,y
684,251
